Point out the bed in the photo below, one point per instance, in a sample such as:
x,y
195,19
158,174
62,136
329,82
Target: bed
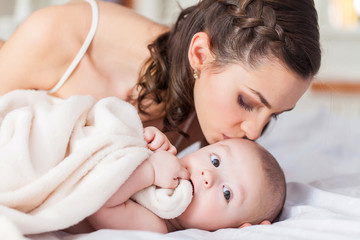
x,y
317,146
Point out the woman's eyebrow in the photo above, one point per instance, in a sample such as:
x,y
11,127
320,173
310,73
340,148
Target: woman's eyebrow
x,y
262,99
265,102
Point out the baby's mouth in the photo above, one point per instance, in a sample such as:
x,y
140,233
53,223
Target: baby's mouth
x,y
192,184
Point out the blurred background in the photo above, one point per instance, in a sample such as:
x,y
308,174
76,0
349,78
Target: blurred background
x,y
320,137
339,24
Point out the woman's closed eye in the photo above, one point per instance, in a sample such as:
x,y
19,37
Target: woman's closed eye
x,y
244,104
215,160
227,193
275,116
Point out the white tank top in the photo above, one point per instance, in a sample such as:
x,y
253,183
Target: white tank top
x,y
83,49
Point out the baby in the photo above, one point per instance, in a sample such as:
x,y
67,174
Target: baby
x,y
236,183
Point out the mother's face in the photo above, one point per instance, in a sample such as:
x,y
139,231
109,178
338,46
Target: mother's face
x,y
238,102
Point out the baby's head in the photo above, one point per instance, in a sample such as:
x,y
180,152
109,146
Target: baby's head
x,y
235,181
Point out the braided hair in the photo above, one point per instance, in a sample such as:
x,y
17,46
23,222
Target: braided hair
x,y
245,31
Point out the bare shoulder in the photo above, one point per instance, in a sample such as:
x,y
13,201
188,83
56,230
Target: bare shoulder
x,y
129,24
37,53
66,24
44,45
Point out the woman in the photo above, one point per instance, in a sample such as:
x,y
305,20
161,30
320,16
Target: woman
x,y
222,71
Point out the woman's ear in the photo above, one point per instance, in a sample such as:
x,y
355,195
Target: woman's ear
x,y
199,51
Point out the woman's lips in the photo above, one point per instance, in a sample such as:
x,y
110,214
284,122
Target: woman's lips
x,y
226,137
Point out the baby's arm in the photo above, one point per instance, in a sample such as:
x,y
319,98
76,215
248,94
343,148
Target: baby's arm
x,y
119,212
142,177
164,159
129,216
162,169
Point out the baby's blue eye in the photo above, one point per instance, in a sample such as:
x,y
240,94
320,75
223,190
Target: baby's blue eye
x,y
227,193
215,160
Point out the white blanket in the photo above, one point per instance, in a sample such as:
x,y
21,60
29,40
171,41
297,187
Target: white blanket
x,y
60,160
317,145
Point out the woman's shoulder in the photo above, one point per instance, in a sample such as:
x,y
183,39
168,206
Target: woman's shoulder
x,y
48,39
70,23
125,21
46,42
60,21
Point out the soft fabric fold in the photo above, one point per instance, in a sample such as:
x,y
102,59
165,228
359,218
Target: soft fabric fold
x,y
61,159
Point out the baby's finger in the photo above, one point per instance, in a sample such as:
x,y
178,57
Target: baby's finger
x,y
149,135
164,146
174,183
172,149
161,146
156,143
184,173
152,146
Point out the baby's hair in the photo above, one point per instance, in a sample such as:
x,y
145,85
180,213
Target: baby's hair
x,y
276,185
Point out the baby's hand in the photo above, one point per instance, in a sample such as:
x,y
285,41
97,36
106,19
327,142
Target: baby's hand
x,y
157,140
167,169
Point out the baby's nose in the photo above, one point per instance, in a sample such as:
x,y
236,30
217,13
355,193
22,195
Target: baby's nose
x,y
207,178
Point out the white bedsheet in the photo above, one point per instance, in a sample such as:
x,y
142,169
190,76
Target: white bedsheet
x,y
318,148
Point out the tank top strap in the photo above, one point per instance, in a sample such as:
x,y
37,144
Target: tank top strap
x,y
83,49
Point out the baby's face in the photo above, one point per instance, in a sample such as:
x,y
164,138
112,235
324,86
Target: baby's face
x,y
228,181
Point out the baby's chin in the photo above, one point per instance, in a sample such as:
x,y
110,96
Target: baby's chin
x,y
187,222
190,219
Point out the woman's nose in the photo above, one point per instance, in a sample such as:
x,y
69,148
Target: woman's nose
x,y
253,129
207,178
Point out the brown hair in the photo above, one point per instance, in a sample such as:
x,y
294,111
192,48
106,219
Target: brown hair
x,y
244,31
275,193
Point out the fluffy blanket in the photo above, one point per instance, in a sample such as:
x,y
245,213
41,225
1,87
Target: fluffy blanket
x,y
60,160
